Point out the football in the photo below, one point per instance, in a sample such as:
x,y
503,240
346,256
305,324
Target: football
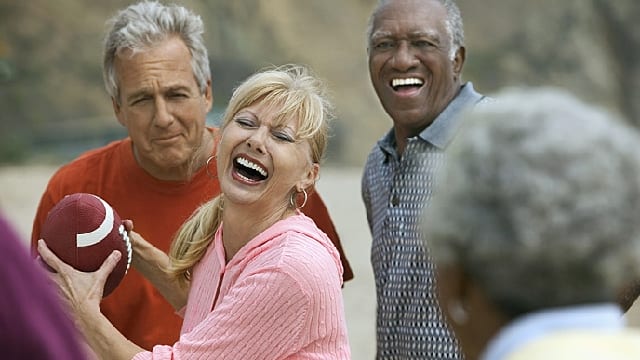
x,y
82,230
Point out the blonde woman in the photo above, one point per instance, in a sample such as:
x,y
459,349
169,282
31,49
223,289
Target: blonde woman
x,y
253,276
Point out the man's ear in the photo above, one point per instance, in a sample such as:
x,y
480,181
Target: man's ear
x,y
458,62
117,110
453,287
208,96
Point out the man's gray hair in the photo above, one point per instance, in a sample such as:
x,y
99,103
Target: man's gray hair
x,y
539,202
147,23
453,23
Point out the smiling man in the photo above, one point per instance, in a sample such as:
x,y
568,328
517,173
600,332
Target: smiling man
x,y
416,55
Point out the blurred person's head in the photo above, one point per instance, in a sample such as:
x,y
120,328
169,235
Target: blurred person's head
x,y
34,322
537,209
416,54
156,70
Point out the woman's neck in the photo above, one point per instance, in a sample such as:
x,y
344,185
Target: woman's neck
x,y
243,223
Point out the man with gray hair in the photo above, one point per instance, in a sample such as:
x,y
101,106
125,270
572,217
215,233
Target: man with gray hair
x,y
416,55
534,229
156,71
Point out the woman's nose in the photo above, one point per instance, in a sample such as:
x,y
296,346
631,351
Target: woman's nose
x,y
257,139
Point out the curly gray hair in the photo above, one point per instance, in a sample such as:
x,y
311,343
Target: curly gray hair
x,y
539,201
147,23
453,23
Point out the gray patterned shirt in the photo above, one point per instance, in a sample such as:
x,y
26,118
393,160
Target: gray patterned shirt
x,y
394,190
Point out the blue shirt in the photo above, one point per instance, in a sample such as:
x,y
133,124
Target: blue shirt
x,y
409,324
535,325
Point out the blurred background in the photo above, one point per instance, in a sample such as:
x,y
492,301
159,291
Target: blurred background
x,y
53,104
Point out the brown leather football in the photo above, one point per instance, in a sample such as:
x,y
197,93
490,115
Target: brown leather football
x,y
82,230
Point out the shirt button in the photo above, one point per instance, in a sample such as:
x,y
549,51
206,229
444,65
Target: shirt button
x,y
394,200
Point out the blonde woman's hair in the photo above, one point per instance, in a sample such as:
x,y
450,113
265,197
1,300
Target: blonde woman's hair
x,y
298,94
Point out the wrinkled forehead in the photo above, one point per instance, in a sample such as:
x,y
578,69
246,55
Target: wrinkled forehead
x,y
419,17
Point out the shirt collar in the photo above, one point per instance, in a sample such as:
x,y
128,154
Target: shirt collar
x,y
442,130
532,326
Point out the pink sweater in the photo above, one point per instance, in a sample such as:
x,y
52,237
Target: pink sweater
x,y
278,298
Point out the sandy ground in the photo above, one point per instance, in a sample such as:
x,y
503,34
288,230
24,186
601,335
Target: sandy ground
x,y
21,187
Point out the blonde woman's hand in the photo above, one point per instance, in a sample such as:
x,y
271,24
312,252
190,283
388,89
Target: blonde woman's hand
x,y
81,290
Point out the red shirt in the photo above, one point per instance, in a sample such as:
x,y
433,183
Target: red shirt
x,y
157,208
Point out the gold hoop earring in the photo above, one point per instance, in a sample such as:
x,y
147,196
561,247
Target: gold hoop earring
x,y
293,199
212,177
306,197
